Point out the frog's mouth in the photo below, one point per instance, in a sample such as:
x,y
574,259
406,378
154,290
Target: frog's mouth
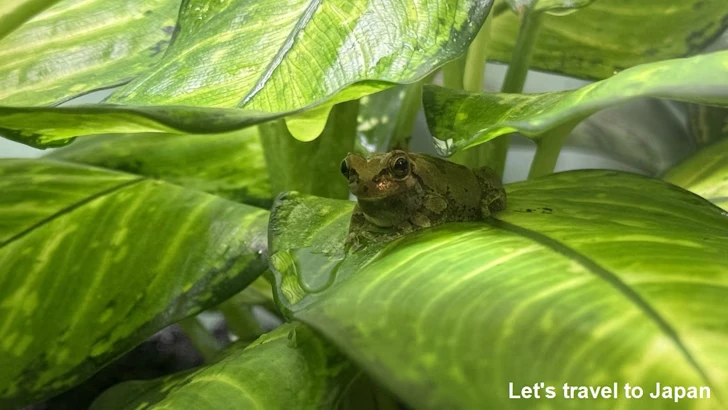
x,y
375,190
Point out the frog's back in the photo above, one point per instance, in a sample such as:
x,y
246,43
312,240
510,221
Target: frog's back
x,y
466,189
455,183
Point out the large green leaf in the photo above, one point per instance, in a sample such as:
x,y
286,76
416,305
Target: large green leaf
x,y
645,134
705,173
270,57
274,56
93,261
707,124
612,35
44,127
307,234
228,165
460,120
312,167
554,6
587,278
289,368
386,119
76,47
14,13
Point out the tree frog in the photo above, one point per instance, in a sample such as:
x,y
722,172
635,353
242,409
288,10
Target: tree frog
x,y
399,192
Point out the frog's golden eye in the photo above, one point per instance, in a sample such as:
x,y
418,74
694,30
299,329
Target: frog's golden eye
x,y
344,169
400,167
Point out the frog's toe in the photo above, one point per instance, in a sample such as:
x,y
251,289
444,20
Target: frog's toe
x,y
495,201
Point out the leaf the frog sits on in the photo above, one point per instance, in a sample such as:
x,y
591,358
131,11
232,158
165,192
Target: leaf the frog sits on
x,y
399,192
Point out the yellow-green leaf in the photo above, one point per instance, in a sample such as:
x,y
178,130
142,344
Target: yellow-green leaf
x,y
228,165
612,35
14,13
44,127
264,56
75,47
92,262
705,173
459,120
587,278
288,368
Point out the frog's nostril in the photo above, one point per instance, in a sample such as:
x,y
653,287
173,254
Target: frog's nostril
x,y
365,189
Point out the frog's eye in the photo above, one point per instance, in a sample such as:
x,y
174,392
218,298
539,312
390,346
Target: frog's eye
x,y
400,167
344,169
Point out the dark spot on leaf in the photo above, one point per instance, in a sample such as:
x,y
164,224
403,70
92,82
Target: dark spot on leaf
x,y
148,13
159,47
132,166
696,39
651,51
168,29
698,5
546,210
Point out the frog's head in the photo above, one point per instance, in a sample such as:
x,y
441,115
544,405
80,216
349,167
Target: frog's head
x,y
379,176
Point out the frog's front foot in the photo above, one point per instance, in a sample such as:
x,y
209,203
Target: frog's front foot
x,y
493,202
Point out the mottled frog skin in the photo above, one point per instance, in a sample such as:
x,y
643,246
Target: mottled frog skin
x,y
399,192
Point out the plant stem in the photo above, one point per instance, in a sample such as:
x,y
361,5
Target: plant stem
x,y
521,58
548,149
492,153
241,321
475,59
289,161
410,106
453,72
201,339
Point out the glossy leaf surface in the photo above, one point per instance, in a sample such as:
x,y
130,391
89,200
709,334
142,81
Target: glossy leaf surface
x,y
43,127
15,13
92,262
556,6
228,165
278,56
707,124
288,368
647,134
313,167
705,173
612,35
588,278
76,47
459,120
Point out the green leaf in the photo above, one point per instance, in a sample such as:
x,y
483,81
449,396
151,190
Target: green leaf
x,y
264,58
613,35
559,7
459,120
644,134
386,119
92,262
705,173
76,47
261,56
707,123
311,167
15,13
228,165
44,127
587,278
307,235
289,368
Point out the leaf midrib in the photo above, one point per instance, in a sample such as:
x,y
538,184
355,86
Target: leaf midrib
x,y
300,25
611,279
69,209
